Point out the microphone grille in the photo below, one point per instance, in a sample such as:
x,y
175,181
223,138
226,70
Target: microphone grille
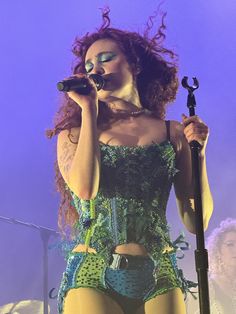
x,y
98,80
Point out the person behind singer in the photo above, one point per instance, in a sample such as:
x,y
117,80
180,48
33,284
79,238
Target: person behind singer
x,y
221,246
117,160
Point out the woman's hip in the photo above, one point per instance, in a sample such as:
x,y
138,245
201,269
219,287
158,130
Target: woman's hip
x,y
131,277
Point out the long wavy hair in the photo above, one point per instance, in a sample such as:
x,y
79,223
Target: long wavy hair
x,y
156,84
214,243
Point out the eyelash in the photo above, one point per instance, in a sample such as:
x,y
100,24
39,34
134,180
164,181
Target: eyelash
x,y
103,61
107,59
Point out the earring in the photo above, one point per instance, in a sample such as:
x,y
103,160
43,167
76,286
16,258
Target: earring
x,y
138,70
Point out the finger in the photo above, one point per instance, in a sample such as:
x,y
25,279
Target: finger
x,y
195,128
201,136
195,137
187,120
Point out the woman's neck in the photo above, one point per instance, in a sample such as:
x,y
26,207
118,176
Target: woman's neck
x,y
122,106
130,103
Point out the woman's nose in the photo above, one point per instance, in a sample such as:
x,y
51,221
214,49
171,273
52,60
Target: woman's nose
x,y
98,69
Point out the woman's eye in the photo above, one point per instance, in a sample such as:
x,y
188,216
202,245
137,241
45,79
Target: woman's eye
x,y
229,244
88,67
106,57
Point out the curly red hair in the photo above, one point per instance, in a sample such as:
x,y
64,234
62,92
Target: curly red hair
x,y
156,81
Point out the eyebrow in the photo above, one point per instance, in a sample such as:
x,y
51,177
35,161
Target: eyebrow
x,y
98,55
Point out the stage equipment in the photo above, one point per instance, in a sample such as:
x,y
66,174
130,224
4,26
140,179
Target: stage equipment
x,y
81,84
23,307
45,234
201,255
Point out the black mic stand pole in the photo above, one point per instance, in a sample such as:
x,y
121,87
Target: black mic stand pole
x,y
45,234
201,255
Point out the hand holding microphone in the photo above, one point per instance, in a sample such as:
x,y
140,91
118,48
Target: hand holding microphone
x,y
81,84
82,88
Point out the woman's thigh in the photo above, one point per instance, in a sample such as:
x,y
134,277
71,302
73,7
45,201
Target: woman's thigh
x,y
171,302
89,300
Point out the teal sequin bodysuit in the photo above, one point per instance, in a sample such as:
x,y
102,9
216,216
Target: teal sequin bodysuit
x,y
130,206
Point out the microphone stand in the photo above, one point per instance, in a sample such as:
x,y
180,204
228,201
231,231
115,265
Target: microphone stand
x,y
45,234
201,255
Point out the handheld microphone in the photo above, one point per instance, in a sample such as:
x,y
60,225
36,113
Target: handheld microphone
x,y
81,85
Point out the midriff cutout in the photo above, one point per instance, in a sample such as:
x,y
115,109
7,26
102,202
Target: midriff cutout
x,y
129,248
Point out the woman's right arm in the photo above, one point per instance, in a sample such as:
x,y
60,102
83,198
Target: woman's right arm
x,y
79,163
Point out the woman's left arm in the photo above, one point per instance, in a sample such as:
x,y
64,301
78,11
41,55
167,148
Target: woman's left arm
x,y
192,128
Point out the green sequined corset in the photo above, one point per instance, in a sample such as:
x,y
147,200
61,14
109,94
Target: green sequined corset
x,y
130,206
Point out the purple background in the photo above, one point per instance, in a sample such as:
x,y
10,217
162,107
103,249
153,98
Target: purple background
x,y
35,53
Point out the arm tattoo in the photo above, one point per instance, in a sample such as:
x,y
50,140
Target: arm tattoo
x,y
66,156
